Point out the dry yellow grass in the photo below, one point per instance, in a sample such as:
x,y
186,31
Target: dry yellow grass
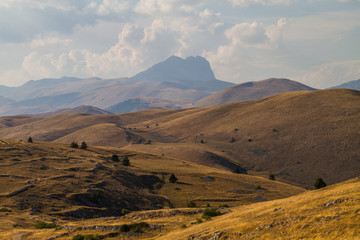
x,y
59,181
329,213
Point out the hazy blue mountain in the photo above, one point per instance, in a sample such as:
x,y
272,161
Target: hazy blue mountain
x,y
351,85
176,68
138,104
176,81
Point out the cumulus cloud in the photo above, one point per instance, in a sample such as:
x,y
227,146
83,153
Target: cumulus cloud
x,y
331,74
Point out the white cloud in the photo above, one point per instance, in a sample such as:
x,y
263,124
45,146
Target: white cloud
x,y
107,7
39,4
331,74
41,41
244,3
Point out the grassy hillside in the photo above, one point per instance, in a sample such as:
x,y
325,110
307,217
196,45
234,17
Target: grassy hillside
x,y
328,213
251,91
55,183
298,136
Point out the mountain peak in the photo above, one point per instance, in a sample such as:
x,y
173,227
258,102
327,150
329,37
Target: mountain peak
x,y
176,68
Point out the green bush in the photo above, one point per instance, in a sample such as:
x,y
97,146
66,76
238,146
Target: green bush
x,y
134,228
257,187
172,178
183,226
319,183
5,210
30,140
124,211
191,204
211,212
83,145
198,220
115,158
125,161
74,145
42,225
271,176
86,237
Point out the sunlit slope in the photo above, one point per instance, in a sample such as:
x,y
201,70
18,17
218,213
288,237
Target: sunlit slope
x,y
53,182
329,213
298,136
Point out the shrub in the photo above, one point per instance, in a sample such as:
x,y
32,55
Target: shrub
x,y
83,145
210,212
232,140
319,183
257,187
198,220
134,228
5,210
223,206
86,237
191,204
125,161
183,226
172,178
30,140
115,158
42,225
124,211
271,176
74,145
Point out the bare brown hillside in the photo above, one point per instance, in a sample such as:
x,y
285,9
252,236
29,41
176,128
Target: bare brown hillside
x,y
251,91
298,136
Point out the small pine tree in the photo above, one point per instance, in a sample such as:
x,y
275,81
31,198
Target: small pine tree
x,y
319,183
271,176
83,145
74,145
172,178
115,158
30,140
125,161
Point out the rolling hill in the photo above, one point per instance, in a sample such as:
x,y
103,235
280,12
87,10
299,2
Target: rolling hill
x,y
298,136
251,91
54,182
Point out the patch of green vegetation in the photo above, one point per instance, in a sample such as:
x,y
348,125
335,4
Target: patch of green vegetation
x,y
134,228
210,212
257,187
183,226
86,237
42,225
198,220
5,209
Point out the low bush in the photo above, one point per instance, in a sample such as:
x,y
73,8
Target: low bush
x,y
134,228
211,212
42,225
86,237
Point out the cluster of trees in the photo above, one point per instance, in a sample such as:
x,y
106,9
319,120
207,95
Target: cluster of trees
x,y
124,161
75,145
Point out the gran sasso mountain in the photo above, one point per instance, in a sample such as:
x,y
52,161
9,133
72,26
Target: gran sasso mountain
x,y
179,80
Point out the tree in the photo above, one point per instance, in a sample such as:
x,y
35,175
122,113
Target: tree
x,y
30,140
83,145
172,178
125,161
74,145
271,176
319,183
115,158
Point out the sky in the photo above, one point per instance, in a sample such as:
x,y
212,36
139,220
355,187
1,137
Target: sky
x,y
315,42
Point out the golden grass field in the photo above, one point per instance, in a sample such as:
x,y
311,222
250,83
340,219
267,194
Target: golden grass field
x,y
298,136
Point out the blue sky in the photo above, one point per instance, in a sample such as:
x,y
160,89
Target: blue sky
x,y
312,41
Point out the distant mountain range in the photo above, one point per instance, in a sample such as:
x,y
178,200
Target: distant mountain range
x,y
351,85
174,83
181,81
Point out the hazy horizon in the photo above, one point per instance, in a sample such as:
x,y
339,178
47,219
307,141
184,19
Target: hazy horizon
x,y
313,42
